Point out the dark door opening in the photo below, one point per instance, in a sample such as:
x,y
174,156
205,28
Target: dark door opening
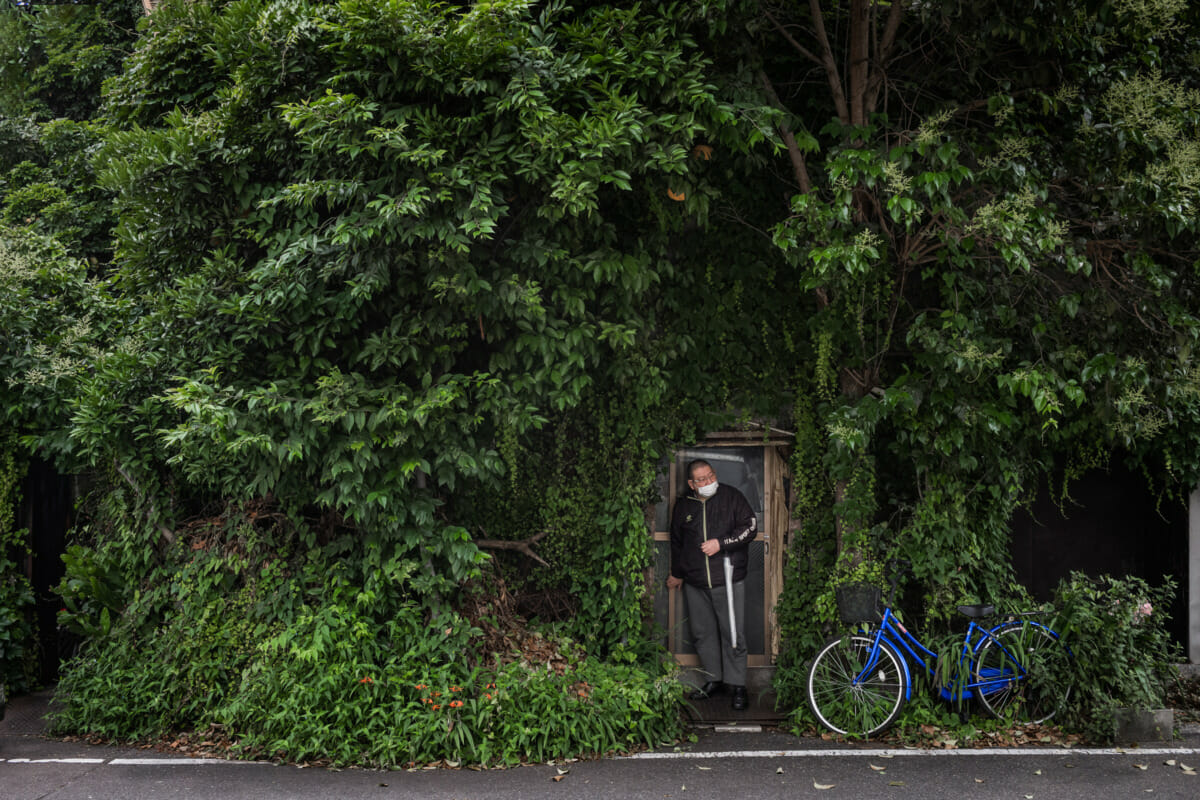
x,y
46,513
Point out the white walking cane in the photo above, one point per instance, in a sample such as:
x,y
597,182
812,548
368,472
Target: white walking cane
x,y
729,598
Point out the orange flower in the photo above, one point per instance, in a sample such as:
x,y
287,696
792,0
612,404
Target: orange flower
x,y
420,686
488,695
437,694
456,688
455,703
436,706
366,680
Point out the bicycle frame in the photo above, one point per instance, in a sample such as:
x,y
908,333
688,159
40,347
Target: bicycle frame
x,y
910,648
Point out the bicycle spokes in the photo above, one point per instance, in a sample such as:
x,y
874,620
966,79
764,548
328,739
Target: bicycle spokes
x,y
855,687
1009,670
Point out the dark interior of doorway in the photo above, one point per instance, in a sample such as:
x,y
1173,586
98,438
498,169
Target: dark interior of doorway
x,y
46,512
1112,522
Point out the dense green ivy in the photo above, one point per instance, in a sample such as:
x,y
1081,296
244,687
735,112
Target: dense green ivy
x,y
54,57
582,489
17,631
342,303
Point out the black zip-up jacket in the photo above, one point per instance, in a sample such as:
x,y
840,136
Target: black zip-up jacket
x,y
726,517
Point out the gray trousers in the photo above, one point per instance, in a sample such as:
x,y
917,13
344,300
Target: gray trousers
x,y
708,618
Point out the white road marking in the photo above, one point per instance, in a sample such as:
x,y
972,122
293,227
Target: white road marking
x,y
51,760
155,762
131,762
990,751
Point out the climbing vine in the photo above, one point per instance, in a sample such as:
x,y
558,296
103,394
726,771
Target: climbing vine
x,y
16,594
585,483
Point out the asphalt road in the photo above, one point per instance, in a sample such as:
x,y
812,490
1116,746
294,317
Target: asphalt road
x,y
721,764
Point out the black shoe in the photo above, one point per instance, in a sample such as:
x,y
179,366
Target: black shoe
x,y
740,700
710,689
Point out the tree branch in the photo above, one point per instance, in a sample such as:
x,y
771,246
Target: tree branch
x,y
523,546
825,60
799,168
801,49
152,511
883,55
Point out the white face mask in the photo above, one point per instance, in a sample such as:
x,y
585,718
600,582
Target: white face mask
x,y
707,490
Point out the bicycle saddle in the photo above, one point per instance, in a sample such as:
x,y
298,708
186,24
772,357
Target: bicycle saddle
x,y
977,612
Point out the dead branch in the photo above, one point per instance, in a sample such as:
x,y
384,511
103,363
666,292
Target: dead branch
x,y
524,546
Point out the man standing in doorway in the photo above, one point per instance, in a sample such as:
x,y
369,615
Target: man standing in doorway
x,y
711,523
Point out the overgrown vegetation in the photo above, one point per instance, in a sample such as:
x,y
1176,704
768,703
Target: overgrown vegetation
x,y
311,656
339,303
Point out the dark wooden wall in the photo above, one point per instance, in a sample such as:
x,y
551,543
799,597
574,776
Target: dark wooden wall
x,y
1113,524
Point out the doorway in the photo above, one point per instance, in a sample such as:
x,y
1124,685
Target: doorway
x,y
757,467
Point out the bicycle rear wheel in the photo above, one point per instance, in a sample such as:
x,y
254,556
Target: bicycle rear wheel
x,y
860,708
1003,668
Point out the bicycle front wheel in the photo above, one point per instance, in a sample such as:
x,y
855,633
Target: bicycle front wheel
x,y
1003,668
847,697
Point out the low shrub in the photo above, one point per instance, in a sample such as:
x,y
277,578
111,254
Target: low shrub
x,y
1121,652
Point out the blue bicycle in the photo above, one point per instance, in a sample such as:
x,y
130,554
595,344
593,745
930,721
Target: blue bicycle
x,y
858,683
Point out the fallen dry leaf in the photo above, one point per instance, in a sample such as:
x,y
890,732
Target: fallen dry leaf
x,y
779,770
895,783
560,777
821,785
1141,766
